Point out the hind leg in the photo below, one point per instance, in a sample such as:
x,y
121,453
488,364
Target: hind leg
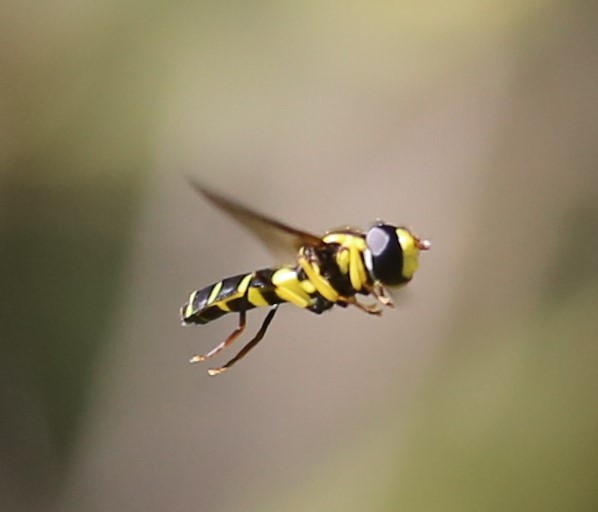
x,y
221,346
256,339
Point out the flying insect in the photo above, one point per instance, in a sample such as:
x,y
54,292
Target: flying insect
x,y
321,272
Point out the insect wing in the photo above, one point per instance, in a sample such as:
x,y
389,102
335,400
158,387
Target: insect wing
x,y
282,240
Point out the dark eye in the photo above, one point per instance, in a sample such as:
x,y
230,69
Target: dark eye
x,y
387,254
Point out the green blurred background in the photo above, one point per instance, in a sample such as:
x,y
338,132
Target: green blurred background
x,y
476,123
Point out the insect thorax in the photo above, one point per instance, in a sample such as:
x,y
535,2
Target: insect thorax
x,y
342,251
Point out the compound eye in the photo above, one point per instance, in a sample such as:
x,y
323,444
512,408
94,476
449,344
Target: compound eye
x,y
387,254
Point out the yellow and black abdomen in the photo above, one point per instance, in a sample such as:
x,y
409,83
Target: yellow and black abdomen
x,y
265,287
231,295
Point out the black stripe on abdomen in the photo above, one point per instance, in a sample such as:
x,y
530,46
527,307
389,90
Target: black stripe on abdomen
x,y
207,315
228,298
198,311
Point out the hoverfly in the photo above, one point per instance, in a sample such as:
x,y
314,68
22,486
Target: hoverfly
x,y
322,271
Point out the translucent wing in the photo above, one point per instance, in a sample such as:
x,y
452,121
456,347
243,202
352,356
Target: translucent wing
x,y
282,240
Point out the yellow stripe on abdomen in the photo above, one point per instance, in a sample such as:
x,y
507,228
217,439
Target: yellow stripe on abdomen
x,y
214,293
255,297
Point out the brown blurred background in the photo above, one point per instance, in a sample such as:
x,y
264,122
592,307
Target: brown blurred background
x,y
473,122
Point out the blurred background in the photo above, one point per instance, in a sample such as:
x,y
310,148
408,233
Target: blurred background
x,y
473,122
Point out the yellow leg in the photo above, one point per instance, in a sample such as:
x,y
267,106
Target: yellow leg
x,y
357,273
323,287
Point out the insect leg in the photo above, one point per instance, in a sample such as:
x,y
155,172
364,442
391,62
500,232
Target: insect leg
x,y
256,339
312,271
379,293
372,309
221,346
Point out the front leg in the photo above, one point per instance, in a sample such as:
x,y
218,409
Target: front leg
x,y
371,309
378,291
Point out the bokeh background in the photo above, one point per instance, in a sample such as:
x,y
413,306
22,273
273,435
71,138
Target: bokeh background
x,y
476,123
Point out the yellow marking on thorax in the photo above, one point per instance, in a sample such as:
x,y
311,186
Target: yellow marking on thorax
x,y
346,240
410,253
349,258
